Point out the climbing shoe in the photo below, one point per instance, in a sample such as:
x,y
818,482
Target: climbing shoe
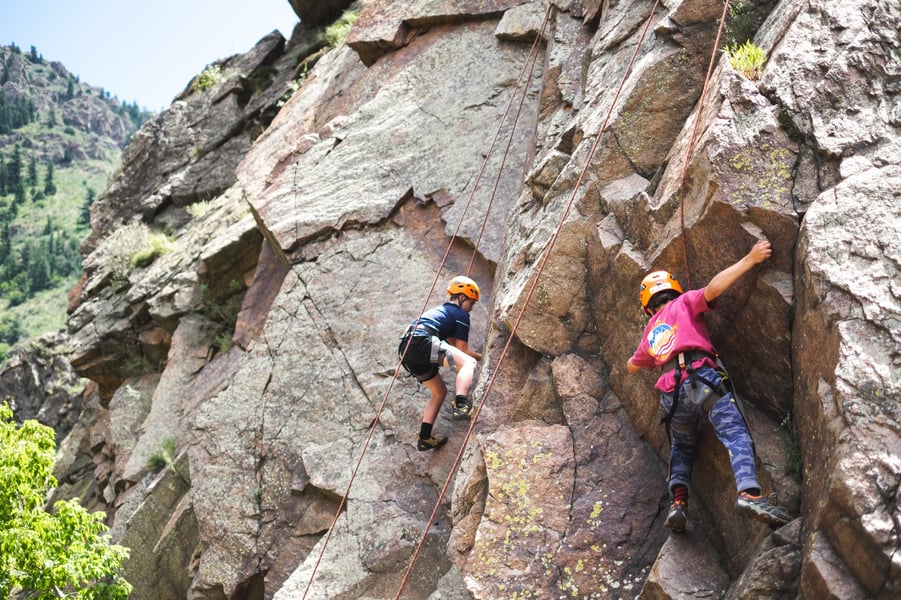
x,y
432,443
758,507
677,515
461,408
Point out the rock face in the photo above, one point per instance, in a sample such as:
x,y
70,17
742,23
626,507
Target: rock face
x,y
264,341
39,383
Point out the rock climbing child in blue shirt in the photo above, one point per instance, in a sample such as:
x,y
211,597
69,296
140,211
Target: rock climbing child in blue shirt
x,y
440,337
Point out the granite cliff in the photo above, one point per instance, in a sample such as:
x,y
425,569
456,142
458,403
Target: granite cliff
x,y
307,199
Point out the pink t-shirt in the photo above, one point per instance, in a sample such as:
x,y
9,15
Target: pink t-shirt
x,y
676,328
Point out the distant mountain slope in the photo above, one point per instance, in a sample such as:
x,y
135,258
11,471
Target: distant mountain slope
x,y
60,140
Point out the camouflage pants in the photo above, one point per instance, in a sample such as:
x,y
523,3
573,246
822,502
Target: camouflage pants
x,y
728,424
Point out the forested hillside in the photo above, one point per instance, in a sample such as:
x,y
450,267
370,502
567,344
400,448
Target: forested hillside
x,y
60,140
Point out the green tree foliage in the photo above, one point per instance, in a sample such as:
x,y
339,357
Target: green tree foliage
x,y
33,171
15,113
13,169
40,258
38,264
137,116
84,217
5,241
43,555
10,330
337,32
49,186
742,22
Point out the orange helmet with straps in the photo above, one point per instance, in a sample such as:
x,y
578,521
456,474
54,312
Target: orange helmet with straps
x,y
656,282
464,285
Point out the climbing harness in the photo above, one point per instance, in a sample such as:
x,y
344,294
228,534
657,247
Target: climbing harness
x,y
419,336
704,395
684,363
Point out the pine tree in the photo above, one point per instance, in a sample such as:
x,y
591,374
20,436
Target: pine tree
x,y
84,217
49,185
33,171
5,242
38,266
14,173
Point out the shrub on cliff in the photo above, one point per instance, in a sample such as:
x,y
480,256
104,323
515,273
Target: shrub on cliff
x,y
47,555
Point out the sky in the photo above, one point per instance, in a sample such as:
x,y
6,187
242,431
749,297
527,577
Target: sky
x,y
144,51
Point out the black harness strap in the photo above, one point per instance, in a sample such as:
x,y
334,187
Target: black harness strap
x,y
681,363
684,361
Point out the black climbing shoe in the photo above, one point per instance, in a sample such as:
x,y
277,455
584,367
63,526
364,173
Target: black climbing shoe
x,y
461,409
676,517
758,507
432,443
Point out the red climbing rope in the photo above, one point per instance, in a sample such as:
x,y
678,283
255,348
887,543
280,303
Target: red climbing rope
x,y
545,256
527,66
693,138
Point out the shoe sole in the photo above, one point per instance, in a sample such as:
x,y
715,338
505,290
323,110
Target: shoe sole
x,y
435,447
459,415
760,515
675,523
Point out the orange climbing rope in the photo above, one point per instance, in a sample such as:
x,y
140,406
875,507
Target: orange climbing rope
x,y
545,256
529,64
693,138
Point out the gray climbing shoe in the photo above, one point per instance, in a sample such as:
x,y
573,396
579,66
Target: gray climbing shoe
x,y
461,408
759,508
677,515
432,443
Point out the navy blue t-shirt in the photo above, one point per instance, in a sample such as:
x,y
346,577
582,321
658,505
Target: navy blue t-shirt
x,y
448,320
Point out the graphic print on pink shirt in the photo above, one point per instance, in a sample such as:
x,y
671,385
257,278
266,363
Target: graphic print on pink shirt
x,y
661,340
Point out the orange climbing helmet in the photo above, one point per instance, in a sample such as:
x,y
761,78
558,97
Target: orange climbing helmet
x,y
654,283
464,285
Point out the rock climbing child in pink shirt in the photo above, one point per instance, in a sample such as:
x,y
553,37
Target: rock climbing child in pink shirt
x,y
676,340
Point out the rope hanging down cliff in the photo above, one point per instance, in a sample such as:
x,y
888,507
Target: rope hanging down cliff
x,y
544,258
693,138
528,67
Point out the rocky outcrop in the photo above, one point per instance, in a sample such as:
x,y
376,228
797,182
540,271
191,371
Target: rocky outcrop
x,y
188,153
330,229
316,13
37,382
